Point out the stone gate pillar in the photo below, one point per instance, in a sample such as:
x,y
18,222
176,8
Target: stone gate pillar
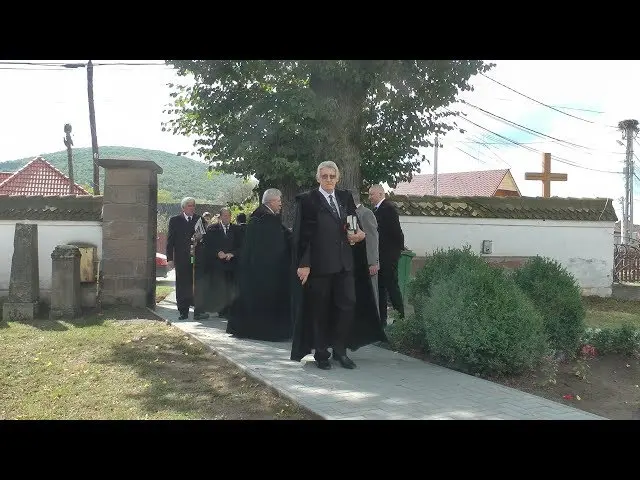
x,y
129,226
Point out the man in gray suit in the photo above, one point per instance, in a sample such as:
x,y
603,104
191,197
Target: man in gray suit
x,y
369,225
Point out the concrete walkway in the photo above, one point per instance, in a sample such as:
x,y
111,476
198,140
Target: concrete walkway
x,y
385,386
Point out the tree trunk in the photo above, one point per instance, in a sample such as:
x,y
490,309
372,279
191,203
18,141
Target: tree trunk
x,y
289,192
344,107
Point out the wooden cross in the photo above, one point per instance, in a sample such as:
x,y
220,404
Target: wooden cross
x,y
546,176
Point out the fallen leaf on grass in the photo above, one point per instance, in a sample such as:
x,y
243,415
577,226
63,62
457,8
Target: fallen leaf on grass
x,y
578,397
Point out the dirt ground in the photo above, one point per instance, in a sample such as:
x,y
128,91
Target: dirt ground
x,y
608,386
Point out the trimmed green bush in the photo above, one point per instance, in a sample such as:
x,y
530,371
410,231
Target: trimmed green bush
x,y
477,320
440,264
407,335
624,340
557,296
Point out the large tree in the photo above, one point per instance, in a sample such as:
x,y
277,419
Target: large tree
x,y
278,119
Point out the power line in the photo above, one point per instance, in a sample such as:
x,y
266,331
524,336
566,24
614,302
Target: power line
x,y
560,159
534,100
600,112
527,129
81,64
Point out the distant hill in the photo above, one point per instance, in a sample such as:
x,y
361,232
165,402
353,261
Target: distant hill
x,y
181,176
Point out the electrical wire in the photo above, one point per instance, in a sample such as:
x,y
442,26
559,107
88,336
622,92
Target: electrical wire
x,y
560,159
522,127
534,100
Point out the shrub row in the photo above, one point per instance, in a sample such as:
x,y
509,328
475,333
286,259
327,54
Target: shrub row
x,y
486,320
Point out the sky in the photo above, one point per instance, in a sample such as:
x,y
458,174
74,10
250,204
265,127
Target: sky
x,y
37,101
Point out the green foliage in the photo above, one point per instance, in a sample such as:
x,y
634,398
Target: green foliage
x,y
624,339
557,296
479,321
407,335
181,176
247,207
165,196
438,265
277,119
163,222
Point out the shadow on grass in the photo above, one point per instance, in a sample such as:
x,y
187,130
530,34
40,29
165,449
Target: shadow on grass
x,y
184,376
89,318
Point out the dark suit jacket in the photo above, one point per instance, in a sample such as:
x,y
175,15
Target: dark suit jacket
x,y
179,239
391,238
323,238
215,240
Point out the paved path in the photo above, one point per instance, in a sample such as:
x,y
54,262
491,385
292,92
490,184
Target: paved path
x,y
385,386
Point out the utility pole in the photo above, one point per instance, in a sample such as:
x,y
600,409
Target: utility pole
x,y
69,143
623,206
629,129
94,137
435,167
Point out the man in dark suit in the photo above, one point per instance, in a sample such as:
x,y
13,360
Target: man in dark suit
x,y
179,241
325,262
391,243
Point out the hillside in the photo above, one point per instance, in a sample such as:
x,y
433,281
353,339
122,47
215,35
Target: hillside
x,y
182,176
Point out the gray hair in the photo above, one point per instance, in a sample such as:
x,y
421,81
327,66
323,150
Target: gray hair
x,y
378,188
270,194
186,200
328,164
225,209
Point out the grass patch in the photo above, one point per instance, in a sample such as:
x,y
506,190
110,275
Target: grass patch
x,y
124,369
162,291
611,312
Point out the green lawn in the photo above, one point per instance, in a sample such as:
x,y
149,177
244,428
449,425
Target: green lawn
x,y
102,368
611,312
162,291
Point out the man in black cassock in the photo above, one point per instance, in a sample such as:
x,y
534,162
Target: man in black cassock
x,y
325,294
222,250
262,309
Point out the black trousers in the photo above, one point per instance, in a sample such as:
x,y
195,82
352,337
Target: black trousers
x,y
185,297
184,287
331,299
388,288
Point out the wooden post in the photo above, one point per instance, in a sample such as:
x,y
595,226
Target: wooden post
x,y
546,176
68,142
92,124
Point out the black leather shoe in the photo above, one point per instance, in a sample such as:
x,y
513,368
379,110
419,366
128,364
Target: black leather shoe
x,y
345,361
323,364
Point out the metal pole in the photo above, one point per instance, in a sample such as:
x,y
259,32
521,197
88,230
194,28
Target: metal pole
x,y
435,167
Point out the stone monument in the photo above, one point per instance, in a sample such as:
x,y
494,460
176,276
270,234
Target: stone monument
x,y
66,298
24,284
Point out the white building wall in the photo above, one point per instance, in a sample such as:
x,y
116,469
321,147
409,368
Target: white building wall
x,y
50,234
584,248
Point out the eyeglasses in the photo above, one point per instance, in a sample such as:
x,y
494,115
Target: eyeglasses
x,y
327,176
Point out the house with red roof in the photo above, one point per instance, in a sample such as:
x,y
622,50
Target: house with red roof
x,y
484,183
38,177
